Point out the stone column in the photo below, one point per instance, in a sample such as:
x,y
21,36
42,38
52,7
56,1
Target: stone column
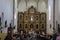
x,y
50,17
15,16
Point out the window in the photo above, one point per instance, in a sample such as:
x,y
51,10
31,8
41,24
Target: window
x,y
31,26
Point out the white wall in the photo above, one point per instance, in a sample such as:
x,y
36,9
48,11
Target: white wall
x,y
59,11
42,6
0,7
57,14
22,6
15,16
31,3
50,17
6,6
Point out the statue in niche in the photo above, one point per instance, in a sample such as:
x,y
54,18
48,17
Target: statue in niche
x,y
31,18
26,26
31,26
37,26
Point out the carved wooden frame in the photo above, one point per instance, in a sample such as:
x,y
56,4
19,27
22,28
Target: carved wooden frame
x,y
43,17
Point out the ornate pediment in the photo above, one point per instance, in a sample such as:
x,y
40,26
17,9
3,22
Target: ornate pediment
x,y
31,9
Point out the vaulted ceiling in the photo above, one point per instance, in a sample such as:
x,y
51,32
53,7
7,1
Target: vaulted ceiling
x,y
27,3
32,0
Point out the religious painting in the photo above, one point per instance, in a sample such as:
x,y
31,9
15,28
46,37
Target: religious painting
x,y
43,17
20,14
36,26
26,17
37,19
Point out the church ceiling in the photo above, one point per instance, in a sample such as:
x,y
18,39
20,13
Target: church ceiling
x,y
31,0
35,1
